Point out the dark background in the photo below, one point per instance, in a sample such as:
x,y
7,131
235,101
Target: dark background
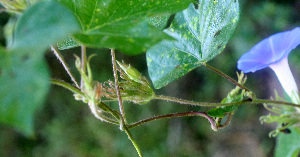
x,y
65,127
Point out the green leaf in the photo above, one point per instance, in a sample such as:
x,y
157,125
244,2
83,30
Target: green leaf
x,y
44,24
288,145
24,75
24,85
221,111
200,35
122,24
159,22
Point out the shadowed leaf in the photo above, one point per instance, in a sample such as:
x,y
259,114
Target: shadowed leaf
x,y
122,24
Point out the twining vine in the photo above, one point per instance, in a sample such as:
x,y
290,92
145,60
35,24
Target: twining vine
x,y
93,97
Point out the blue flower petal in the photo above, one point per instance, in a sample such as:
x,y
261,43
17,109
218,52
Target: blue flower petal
x,y
269,51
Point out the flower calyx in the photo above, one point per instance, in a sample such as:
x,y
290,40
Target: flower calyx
x,y
133,87
91,89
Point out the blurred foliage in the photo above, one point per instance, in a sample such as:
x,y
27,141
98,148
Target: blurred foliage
x,y
65,127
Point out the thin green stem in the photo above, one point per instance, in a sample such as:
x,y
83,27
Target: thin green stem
x,y
202,114
65,65
188,102
83,64
133,141
122,117
67,86
97,113
113,112
263,101
252,101
225,76
117,84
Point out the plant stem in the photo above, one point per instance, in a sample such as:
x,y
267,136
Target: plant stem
x,y
225,76
83,64
263,101
123,122
252,101
117,84
202,114
94,107
98,115
188,102
113,112
133,142
65,65
67,86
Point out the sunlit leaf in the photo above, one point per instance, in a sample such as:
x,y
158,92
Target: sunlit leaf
x,y
122,24
201,34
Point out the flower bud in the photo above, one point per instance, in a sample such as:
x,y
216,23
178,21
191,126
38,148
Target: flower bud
x,y
134,87
130,72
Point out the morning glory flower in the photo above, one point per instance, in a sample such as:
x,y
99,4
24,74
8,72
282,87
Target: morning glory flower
x,y
273,52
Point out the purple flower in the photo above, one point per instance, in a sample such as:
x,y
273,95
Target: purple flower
x,y
269,51
273,52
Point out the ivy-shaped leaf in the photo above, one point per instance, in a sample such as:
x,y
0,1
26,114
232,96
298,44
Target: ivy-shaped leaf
x,y
201,34
122,24
24,75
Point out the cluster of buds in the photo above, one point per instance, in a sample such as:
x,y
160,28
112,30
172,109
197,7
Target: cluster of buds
x,y
133,87
17,5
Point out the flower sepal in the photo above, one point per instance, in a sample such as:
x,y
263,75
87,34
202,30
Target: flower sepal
x,y
133,87
284,116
